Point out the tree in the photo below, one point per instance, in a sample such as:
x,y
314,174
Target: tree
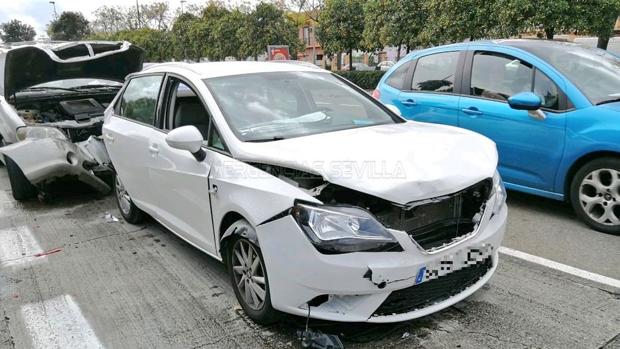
x,y
183,45
14,31
227,31
70,26
267,25
457,20
341,27
553,16
202,31
597,17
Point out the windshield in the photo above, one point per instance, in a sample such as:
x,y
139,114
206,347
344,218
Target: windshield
x,y
279,105
595,72
74,83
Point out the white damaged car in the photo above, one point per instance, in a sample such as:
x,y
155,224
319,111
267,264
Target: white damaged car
x,y
319,199
52,99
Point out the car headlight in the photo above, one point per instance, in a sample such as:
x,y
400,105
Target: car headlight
x,y
499,193
39,132
343,229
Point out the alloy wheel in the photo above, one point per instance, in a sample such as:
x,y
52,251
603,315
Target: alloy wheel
x,y
249,274
599,195
124,201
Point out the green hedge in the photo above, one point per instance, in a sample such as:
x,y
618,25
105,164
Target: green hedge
x,y
366,79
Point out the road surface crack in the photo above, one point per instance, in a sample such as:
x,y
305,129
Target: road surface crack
x,y
608,343
10,341
497,337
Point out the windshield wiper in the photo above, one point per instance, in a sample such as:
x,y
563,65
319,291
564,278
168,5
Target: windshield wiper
x,y
267,139
96,86
611,100
40,88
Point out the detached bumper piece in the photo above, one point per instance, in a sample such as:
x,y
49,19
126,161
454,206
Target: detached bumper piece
x,y
434,291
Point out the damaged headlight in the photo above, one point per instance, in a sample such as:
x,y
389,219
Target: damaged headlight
x,y
343,229
499,192
39,132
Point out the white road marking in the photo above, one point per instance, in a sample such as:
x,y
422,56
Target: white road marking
x,y
17,246
58,323
561,267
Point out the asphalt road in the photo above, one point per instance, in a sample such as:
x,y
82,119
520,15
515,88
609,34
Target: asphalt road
x,y
70,277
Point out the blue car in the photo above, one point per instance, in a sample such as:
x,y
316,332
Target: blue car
x,y
552,108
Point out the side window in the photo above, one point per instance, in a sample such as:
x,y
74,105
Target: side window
x,y
435,72
186,109
215,140
498,77
139,101
397,78
547,90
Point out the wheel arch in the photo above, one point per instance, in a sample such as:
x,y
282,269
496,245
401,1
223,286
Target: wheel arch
x,y
580,162
224,239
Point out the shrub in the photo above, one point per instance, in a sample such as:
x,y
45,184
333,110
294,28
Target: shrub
x,y
366,79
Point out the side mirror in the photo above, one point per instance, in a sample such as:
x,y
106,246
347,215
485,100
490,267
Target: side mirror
x,y
525,101
394,109
187,138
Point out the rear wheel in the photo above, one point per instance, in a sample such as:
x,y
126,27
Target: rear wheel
x,y
20,185
595,194
248,275
130,212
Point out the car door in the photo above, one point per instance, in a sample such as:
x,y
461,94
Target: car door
x,y
127,134
179,183
529,149
431,92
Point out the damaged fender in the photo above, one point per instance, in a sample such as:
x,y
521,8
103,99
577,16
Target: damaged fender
x,y
42,160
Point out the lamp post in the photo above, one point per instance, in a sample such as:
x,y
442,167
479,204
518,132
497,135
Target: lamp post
x,y
182,3
138,14
54,7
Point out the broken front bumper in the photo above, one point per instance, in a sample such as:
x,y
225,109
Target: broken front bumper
x,y
368,286
46,159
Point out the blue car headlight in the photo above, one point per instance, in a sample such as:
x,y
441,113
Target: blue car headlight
x,y
343,229
498,193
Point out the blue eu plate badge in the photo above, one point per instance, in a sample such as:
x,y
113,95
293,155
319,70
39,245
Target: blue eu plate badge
x,y
420,277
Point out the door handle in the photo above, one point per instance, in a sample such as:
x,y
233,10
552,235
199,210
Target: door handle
x,y
109,138
154,149
408,102
471,111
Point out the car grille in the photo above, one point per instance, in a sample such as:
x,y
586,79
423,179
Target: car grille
x,y
434,291
437,222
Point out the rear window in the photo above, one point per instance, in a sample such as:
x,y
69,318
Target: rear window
x,y
398,76
435,72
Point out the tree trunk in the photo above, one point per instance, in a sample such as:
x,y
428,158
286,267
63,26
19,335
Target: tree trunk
x,y
398,53
351,59
338,62
408,49
602,43
256,57
549,32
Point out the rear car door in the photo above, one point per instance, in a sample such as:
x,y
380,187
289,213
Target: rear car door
x,y
431,91
127,134
184,206
529,149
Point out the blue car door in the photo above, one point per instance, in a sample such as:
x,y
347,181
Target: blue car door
x,y
530,149
430,93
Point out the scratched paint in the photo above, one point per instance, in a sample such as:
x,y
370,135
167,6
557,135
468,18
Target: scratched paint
x,y
58,323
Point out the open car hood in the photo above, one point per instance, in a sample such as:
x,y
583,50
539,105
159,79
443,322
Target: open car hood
x,y
401,163
27,64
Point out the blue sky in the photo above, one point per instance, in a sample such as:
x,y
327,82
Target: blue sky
x,y
39,13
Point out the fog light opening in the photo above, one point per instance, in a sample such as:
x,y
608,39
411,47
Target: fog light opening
x,y
72,158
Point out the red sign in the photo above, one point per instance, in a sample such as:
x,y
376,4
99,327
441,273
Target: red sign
x,y
278,53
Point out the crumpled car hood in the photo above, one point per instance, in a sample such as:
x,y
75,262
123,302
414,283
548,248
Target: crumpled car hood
x,y
27,64
397,162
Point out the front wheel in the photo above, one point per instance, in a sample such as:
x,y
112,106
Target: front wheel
x,y
595,194
248,275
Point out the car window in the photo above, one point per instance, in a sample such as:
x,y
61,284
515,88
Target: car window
x,y
139,101
263,107
435,72
186,109
547,90
215,140
498,77
397,78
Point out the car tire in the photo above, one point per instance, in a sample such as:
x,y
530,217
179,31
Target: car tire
x,y
249,283
20,185
130,212
595,194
